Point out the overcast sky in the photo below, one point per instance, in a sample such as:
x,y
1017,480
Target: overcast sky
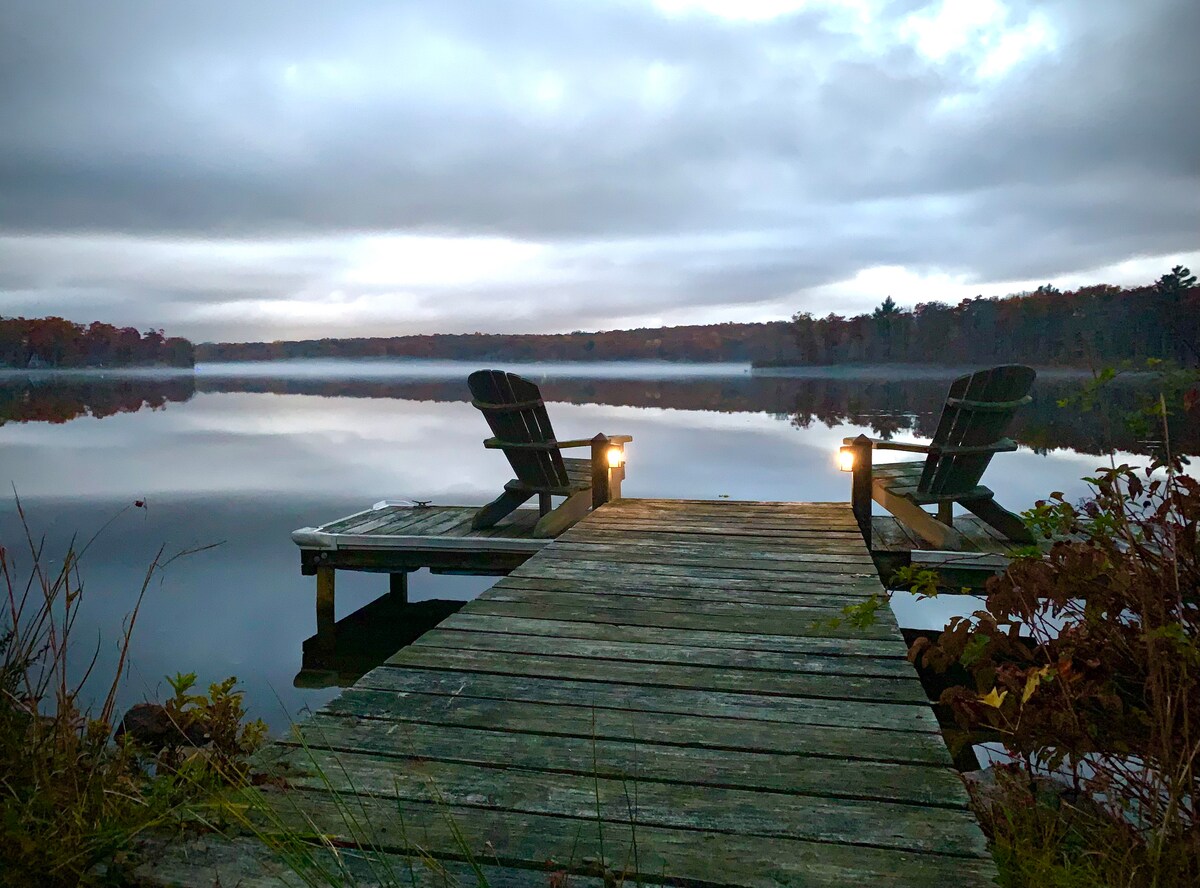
x,y
266,170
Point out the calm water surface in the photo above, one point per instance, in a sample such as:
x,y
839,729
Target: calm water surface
x,y
241,455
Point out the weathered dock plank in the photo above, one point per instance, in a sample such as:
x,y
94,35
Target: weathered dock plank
x,y
654,853
668,675
589,797
549,645
594,696
661,692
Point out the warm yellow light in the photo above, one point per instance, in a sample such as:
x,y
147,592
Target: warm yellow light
x,y
846,459
616,456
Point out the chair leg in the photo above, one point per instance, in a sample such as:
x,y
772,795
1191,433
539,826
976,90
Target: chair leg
x,y
555,522
498,508
1000,518
911,515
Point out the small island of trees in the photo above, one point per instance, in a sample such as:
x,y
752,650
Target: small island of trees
x,y
56,343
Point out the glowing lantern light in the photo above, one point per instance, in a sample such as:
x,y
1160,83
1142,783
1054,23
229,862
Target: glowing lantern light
x,y
616,457
846,459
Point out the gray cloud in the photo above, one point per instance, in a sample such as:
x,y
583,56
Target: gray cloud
x,y
171,162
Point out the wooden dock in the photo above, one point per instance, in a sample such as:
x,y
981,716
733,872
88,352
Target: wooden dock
x,y
397,539
657,695
394,538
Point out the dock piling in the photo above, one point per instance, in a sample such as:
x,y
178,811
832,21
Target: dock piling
x,y
326,611
398,587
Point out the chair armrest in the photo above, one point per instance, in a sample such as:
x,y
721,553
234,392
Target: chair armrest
x,y
587,442
497,444
1004,445
906,448
890,445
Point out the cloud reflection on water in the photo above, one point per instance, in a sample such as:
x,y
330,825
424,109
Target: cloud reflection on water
x,y
248,467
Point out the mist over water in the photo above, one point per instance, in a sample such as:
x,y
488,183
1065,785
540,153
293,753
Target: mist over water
x,y
241,455
416,368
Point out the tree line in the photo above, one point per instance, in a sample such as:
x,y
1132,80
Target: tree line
x,y
1091,326
768,342
37,343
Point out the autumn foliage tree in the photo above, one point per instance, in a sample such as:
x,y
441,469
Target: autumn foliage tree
x,y
1091,326
57,342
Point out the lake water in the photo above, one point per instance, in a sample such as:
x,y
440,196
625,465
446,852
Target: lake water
x,y
241,455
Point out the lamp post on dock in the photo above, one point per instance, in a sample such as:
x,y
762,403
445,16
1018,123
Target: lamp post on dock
x,y
855,457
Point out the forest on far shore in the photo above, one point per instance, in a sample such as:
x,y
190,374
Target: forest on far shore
x,y
1090,327
50,343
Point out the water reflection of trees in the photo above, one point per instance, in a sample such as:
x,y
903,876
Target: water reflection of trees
x,y
61,398
887,407
913,408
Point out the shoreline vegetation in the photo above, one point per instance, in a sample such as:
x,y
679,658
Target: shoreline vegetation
x,y
58,344
1084,328
1090,327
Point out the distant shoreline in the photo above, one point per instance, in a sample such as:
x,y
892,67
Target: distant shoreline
x,y
385,366
909,371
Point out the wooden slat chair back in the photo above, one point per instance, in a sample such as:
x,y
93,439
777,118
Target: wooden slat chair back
x,y
516,414
978,410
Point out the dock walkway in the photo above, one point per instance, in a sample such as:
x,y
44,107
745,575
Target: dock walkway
x,y
657,693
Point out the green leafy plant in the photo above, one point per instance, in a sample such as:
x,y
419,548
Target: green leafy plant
x,y
216,738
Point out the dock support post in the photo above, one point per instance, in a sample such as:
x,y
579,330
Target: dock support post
x,y
398,587
325,607
600,491
860,487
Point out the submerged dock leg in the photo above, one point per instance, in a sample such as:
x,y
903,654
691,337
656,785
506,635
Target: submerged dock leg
x,y
398,587
325,606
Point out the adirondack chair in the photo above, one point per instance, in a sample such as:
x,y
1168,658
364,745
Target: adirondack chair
x,y
516,414
978,410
